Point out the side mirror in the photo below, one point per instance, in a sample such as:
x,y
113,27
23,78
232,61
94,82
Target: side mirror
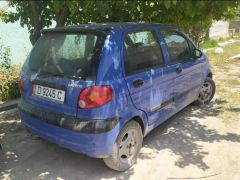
x,y
197,54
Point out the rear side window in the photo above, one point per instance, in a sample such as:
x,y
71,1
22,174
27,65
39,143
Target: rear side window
x,y
142,52
67,54
177,46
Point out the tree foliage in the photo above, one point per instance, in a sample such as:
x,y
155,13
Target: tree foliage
x,y
193,17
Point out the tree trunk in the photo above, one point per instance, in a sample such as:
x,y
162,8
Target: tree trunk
x,y
36,11
62,16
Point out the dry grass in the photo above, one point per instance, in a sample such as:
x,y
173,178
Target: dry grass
x,y
227,79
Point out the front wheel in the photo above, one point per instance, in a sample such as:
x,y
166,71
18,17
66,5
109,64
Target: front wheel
x,y
206,92
126,147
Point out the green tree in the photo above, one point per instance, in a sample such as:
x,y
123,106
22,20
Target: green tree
x,y
193,17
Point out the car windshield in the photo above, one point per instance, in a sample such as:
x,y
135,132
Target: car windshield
x,y
67,54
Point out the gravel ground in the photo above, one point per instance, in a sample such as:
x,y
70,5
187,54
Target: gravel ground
x,y
193,144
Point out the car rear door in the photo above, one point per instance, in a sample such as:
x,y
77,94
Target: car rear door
x,y
148,78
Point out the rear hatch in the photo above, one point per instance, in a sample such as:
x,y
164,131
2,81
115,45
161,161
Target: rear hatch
x,y
60,65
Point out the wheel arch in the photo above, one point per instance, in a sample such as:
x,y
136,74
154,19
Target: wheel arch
x,y
210,75
140,121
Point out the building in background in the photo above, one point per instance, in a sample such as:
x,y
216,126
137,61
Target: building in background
x,y
234,27
219,29
224,29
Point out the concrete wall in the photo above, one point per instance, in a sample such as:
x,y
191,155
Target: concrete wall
x,y
219,29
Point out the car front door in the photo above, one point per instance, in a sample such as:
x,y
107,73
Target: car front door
x,y
188,76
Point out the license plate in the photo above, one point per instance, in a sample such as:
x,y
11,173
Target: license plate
x,y
52,94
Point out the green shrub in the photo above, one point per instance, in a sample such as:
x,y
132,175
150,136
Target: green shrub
x,y
209,44
14,91
8,76
9,89
9,83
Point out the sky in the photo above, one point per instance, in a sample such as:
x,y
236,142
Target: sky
x,y
16,38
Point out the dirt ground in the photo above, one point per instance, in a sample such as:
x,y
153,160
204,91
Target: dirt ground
x,y
191,145
194,144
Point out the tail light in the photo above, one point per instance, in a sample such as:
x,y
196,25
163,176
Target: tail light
x,y
94,96
20,84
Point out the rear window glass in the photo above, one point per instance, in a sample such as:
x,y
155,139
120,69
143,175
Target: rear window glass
x,y
67,54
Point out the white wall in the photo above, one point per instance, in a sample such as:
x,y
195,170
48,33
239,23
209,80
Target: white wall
x,y
219,29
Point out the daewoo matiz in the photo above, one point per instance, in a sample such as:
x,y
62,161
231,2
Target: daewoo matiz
x,y
99,89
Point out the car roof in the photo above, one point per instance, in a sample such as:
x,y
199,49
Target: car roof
x,y
107,26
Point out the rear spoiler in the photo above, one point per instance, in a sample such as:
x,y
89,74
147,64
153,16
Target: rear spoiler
x,y
75,29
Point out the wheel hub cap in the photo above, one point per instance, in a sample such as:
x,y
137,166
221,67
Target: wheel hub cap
x,y
205,92
128,145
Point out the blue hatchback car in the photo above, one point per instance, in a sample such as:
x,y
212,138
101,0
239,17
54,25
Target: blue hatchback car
x,y
99,89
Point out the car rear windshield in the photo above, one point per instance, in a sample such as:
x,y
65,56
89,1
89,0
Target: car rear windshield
x,y
73,55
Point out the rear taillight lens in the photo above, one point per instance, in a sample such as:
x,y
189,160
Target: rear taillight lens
x,y
20,84
94,96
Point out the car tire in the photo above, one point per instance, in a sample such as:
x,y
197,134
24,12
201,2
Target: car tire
x,y
206,92
126,147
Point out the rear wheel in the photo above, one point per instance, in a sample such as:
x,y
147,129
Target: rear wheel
x,y
126,147
206,92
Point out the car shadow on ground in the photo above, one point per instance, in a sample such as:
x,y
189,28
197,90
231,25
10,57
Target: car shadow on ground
x,y
24,157
181,132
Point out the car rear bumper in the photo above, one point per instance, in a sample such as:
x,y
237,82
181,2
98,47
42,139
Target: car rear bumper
x,y
92,144
82,125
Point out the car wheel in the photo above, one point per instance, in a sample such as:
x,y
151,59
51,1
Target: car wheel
x,y
206,92
126,147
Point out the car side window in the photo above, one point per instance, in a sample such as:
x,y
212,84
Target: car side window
x,y
142,52
177,45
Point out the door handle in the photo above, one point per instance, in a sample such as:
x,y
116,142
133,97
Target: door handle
x,y
178,70
138,83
